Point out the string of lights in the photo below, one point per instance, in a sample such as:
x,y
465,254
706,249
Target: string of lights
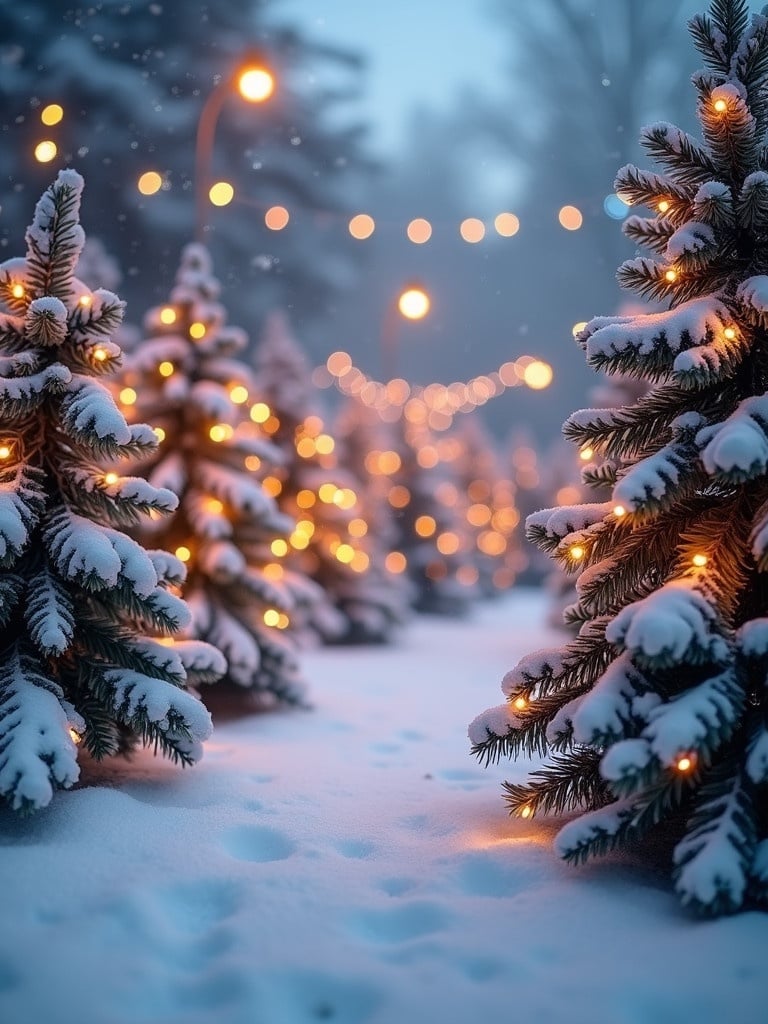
x,y
361,226
433,405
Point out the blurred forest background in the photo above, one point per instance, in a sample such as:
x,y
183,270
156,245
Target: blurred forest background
x,y
410,109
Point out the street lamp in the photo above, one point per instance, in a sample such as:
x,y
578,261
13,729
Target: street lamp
x,y
255,83
413,303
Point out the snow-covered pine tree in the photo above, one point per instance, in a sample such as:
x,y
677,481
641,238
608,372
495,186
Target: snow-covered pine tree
x,y
331,542
187,378
80,602
655,715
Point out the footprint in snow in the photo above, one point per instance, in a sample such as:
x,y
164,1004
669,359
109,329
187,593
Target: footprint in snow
x,y
402,923
355,849
258,844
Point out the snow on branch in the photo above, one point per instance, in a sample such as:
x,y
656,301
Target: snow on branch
x,y
36,751
737,449
700,718
98,557
55,238
655,337
712,861
674,625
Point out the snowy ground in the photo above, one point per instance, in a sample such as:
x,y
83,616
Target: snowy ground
x,y
350,864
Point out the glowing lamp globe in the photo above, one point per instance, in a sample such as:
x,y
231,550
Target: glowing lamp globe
x,y
256,84
414,303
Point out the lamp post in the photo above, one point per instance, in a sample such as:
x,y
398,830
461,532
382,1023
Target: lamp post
x,y
412,303
255,83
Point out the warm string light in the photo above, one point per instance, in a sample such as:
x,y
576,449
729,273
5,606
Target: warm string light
x,y
720,106
619,511
729,333
526,811
664,206
17,291
166,368
183,553
168,315
75,736
685,763
670,275
433,404
576,552
5,450
520,703
699,560
110,479
100,354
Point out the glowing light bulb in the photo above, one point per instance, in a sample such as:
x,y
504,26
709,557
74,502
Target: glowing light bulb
x,y
729,333
45,151
166,368
128,396
578,327
238,394
271,617
183,553
576,551
17,291
520,703
685,763
111,478
526,812
85,300
700,560
619,511
586,454
75,736
197,330
256,84
413,303
100,354
671,275
664,206
5,451
214,506
159,433
720,106
168,315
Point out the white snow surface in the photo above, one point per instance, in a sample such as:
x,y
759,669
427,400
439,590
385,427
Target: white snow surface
x,y
352,864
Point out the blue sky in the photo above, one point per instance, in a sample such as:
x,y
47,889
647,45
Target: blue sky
x,y
419,51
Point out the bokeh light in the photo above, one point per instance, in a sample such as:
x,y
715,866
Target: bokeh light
x,y
149,183
221,193
570,218
362,225
256,84
276,218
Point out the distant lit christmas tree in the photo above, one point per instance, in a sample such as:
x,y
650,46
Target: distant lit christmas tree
x,y
655,715
488,505
187,378
331,541
365,446
80,602
433,534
